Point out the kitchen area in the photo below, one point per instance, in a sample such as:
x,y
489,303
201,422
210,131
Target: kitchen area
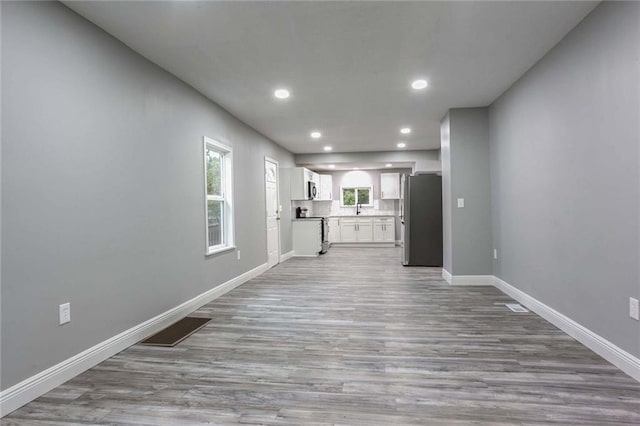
x,y
370,206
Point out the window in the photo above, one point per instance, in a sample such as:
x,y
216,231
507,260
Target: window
x,y
352,195
218,196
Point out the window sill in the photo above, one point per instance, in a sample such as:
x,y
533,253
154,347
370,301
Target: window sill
x,y
219,250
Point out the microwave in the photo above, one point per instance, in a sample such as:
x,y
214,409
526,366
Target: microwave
x,y
312,191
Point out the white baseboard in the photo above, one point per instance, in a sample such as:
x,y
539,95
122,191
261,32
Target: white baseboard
x,y
286,256
29,389
612,353
467,279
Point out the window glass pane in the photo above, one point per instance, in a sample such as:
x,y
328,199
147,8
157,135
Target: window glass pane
x,y
215,212
363,196
214,172
348,196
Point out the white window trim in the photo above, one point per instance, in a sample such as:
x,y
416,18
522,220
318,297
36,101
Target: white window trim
x,y
370,188
228,231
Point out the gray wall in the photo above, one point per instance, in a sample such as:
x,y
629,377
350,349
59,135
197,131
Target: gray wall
x,y
466,174
447,231
565,178
102,188
425,160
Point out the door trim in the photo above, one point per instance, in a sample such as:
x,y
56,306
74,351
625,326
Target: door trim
x,y
266,225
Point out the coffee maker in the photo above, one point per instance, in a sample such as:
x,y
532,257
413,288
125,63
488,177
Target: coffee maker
x,y
302,212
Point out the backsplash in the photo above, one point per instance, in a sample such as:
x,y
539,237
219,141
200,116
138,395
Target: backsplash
x,y
332,208
307,204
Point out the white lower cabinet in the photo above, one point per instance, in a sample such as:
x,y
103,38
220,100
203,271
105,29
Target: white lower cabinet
x,y
306,237
356,230
334,230
374,230
384,230
365,231
378,232
348,231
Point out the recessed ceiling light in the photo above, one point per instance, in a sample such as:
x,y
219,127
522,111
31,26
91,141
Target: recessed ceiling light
x,y
328,148
281,93
405,130
419,84
332,166
388,165
316,135
402,145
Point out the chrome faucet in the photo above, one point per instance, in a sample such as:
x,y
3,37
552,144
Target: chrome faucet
x,y
358,209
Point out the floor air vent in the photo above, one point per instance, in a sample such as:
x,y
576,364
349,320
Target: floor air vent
x,y
516,307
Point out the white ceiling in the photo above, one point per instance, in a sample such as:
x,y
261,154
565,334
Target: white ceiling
x,y
348,65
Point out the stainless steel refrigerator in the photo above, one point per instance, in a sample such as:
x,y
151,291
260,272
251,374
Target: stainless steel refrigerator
x,y
421,220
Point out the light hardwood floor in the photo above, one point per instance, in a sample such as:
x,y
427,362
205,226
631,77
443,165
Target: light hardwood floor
x,y
352,337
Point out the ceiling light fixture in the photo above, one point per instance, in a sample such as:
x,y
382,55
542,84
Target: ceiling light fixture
x,y
356,168
405,130
332,166
328,148
402,145
281,93
388,165
316,135
419,84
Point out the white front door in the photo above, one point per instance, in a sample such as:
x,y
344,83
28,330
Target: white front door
x,y
272,212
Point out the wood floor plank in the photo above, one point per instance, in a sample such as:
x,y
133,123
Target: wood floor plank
x,y
351,338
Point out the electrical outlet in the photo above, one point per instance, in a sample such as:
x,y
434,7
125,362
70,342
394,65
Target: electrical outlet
x,y
238,254
64,313
460,203
634,310
495,253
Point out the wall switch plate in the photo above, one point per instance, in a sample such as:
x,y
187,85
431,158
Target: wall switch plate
x,y
460,203
238,254
634,309
495,253
64,313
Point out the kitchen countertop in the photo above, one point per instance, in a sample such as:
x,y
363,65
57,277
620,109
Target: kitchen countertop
x,y
366,215
307,219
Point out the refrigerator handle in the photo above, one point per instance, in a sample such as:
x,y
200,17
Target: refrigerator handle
x,y
406,217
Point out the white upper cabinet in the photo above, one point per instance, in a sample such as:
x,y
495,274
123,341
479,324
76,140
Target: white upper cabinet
x,y
300,178
308,174
326,188
389,186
